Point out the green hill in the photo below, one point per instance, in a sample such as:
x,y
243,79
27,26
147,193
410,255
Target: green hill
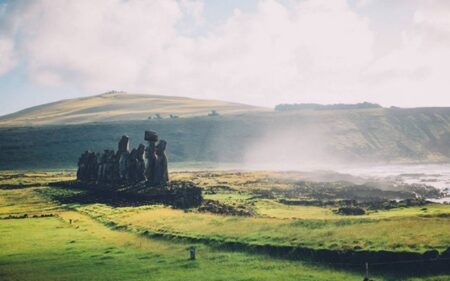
x,y
268,139
114,106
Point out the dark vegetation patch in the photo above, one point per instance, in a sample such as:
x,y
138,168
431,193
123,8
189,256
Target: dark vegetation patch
x,y
443,215
318,224
350,211
347,195
21,185
216,207
350,191
368,205
214,189
26,216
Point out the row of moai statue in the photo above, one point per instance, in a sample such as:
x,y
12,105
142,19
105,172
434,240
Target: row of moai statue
x,y
141,164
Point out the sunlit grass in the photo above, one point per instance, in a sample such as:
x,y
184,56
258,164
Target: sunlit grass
x,y
108,243
15,179
18,202
50,249
412,233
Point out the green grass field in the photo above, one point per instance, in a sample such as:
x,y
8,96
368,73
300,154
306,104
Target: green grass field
x,y
53,249
98,242
316,229
72,246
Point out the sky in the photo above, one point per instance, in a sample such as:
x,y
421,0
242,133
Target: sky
x,y
260,52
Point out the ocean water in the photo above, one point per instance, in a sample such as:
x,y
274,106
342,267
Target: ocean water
x,y
436,175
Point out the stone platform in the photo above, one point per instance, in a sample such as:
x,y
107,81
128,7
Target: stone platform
x,y
179,194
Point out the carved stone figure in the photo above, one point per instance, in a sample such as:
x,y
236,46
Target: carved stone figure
x,y
161,169
123,144
87,166
101,168
150,153
82,166
109,166
142,164
122,158
92,166
132,166
105,167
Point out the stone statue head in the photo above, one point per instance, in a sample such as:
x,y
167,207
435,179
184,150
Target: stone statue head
x,y
161,147
133,153
141,149
151,136
124,144
109,155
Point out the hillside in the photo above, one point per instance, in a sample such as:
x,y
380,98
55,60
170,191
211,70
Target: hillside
x,y
114,106
281,140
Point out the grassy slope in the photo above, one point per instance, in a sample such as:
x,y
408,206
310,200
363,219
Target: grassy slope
x,y
417,229
118,106
397,135
90,251
53,249
413,232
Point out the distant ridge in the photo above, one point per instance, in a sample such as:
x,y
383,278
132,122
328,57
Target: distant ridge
x,y
118,106
316,106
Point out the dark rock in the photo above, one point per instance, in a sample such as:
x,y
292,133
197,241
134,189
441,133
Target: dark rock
x,y
216,207
350,211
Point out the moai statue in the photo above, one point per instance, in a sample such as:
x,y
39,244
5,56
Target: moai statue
x,y
99,157
151,137
122,158
124,145
101,174
109,172
93,165
124,167
140,164
90,163
82,166
161,169
132,166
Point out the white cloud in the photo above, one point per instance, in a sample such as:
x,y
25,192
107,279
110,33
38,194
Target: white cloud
x,y
99,44
415,73
193,9
274,54
311,51
7,56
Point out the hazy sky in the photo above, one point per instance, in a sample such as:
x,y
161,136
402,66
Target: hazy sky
x,y
261,52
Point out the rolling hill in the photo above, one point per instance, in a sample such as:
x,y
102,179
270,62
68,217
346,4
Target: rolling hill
x,y
115,106
280,140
